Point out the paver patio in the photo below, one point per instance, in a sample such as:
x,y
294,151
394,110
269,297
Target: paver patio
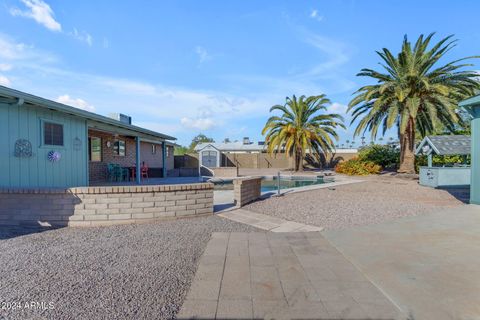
x,y
280,276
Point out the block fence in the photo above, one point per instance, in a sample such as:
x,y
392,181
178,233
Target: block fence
x,y
101,206
246,190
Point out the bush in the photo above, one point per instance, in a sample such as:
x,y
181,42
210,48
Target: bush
x,y
358,167
386,156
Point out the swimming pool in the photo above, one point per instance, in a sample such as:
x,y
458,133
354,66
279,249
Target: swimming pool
x,y
270,183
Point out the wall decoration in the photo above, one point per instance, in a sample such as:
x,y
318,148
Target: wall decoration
x,y
54,156
23,148
77,144
109,144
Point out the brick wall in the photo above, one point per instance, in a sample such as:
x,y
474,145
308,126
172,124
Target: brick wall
x,y
98,170
95,206
246,190
225,172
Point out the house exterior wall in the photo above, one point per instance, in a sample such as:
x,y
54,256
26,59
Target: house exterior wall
x,y
475,173
98,169
151,160
25,122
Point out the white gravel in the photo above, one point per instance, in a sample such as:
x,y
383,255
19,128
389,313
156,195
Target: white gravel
x,y
121,272
376,200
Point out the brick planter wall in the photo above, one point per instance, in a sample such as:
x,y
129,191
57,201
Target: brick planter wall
x,y
225,172
246,190
95,206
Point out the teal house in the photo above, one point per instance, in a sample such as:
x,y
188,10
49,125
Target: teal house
x,y
45,144
472,105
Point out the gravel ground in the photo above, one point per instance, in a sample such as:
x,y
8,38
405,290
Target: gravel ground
x,y
120,272
376,200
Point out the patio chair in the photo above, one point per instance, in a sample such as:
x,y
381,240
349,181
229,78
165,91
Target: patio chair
x,y
144,171
111,174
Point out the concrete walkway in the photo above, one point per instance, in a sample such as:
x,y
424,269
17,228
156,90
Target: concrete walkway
x,y
266,222
280,276
429,265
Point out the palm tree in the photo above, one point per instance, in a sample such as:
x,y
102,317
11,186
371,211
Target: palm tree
x,y
302,128
414,94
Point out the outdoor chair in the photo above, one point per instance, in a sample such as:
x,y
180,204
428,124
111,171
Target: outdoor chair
x,y
144,171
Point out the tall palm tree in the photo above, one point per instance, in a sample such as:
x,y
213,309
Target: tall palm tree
x,y
302,127
413,93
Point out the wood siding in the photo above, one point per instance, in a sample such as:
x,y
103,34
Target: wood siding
x,y
25,122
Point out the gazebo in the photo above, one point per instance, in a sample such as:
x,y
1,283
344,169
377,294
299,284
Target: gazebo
x,y
444,176
472,105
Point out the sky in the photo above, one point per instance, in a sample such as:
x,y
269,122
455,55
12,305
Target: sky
x,y
213,67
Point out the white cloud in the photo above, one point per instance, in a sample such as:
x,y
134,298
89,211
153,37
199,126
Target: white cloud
x,y
198,123
337,108
4,81
314,15
40,12
82,36
5,67
77,103
202,53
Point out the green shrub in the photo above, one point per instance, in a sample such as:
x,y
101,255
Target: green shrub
x,y
358,167
386,156
440,161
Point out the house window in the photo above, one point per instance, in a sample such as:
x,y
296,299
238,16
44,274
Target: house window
x,y
119,148
52,134
154,148
167,151
95,149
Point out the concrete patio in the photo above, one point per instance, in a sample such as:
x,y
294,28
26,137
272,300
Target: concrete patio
x,y
280,276
428,265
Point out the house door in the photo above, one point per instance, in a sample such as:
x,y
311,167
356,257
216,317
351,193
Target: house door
x,y
209,159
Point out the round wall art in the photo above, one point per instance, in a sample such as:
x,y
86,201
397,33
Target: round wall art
x,y
54,156
23,148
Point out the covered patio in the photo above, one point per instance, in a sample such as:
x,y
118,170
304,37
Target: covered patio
x,y
119,156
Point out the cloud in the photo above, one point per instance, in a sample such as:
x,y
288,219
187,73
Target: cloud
x,y
40,12
202,53
4,81
82,36
337,108
314,15
77,103
198,123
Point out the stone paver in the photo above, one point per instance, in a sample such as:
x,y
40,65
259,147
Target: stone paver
x,y
428,265
266,222
280,276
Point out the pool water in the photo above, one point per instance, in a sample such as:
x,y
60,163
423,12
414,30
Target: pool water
x,y
269,184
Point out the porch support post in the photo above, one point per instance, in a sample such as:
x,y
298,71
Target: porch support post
x,y
430,162
164,159
137,160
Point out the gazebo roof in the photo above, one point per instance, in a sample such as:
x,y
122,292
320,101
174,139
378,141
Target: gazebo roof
x,y
445,145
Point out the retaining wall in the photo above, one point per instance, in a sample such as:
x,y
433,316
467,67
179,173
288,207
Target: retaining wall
x,y
246,190
95,206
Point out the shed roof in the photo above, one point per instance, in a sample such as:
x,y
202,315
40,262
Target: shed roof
x,y
475,100
232,146
445,145
9,95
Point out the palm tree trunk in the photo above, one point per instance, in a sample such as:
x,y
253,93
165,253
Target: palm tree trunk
x,y
407,149
298,159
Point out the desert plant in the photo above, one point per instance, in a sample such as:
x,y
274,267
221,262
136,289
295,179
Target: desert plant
x,y
386,156
357,167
